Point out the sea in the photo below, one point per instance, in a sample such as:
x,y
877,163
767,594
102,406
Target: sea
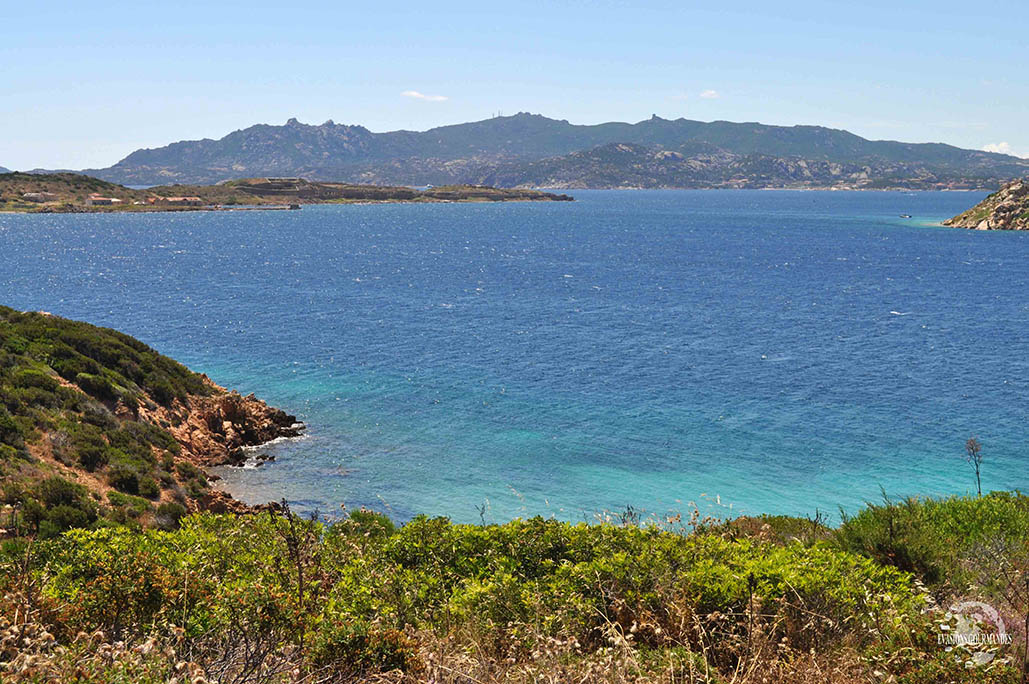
x,y
659,352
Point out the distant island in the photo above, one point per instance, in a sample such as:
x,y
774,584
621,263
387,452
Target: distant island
x,y
1006,209
72,192
533,151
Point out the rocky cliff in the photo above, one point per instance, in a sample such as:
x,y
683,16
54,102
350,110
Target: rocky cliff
x,y
1006,209
214,430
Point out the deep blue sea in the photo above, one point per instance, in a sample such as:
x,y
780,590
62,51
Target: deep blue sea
x,y
747,351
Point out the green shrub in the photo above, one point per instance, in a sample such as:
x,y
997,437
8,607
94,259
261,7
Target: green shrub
x,y
149,488
62,518
54,505
136,505
187,470
56,491
93,457
935,538
358,647
356,595
168,515
161,390
10,431
95,386
123,477
371,523
31,377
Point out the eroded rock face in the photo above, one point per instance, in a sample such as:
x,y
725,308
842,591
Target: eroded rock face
x,y
217,501
213,430
1006,209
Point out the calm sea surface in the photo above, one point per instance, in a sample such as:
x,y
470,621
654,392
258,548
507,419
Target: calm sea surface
x,y
747,351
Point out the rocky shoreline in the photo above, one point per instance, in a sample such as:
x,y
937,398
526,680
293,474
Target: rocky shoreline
x,y
1006,209
216,430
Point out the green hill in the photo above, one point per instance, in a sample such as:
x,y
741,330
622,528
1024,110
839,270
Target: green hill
x,y
96,426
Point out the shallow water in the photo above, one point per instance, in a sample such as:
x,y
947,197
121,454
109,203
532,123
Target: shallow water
x,y
771,351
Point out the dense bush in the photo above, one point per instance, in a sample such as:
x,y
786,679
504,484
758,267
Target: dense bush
x,y
10,431
149,488
936,538
53,506
72,348
123,477
355,593
168,515
31,377
95,385
527,600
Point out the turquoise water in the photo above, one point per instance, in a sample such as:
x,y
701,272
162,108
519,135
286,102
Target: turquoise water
x,y
747,351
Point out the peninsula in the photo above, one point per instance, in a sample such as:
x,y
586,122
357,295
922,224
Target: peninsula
x,y
75,193
95,425
1006,209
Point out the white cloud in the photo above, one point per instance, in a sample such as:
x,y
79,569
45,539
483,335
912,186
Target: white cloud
x,y
710,94
422,96
1001,147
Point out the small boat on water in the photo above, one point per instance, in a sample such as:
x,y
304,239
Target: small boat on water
x,y
905,215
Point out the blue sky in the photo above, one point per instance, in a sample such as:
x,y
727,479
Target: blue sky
x,y
84,84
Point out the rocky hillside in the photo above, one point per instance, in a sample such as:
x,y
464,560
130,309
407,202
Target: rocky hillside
x,y
700,165
510,149
1006,209
95,425
72,188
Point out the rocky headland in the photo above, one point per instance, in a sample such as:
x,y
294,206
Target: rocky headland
x,y
1006,209
96,425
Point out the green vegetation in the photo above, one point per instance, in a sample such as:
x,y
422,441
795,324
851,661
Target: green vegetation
x,y
275,598
68,189
70,401
950,544
1006,209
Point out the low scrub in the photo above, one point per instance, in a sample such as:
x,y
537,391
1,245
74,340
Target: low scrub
x,y
274,598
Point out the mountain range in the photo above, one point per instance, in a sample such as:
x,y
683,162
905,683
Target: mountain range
x,y
530,150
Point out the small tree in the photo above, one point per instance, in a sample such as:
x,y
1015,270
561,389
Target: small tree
x,y
974,455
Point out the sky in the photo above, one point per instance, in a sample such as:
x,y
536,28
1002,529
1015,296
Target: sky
x,y
84,84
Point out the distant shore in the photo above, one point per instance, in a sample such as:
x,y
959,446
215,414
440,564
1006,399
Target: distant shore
x,y
66,193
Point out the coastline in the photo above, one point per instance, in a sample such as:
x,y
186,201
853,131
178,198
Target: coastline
x,y
219,208
220,430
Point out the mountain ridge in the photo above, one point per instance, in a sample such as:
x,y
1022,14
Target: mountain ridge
x,y
512,148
